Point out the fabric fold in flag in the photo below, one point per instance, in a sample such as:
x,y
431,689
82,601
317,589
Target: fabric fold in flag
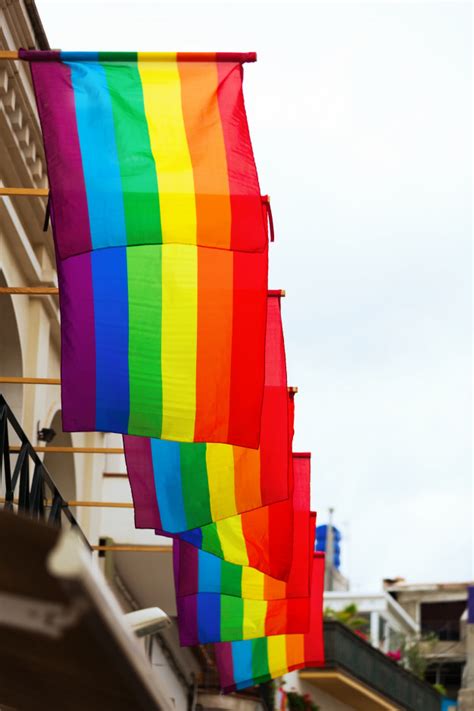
x,y
210,617
147,148
164,341
180,486
246,663
200,571
261,539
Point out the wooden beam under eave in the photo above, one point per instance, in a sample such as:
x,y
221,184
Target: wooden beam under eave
x,y
348,689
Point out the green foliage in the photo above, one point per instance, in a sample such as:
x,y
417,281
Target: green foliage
x,y
440,689
267,695
300,702
413,653
349,617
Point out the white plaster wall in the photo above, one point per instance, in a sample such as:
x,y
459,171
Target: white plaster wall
x,y
27,259
168,680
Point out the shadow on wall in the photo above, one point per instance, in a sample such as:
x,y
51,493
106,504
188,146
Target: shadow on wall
x,y
11,362
61,466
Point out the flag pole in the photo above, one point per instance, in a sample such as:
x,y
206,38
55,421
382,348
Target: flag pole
x,y
30,290
9,54
71,450
24,192
133,548
51,55
92,504
17,380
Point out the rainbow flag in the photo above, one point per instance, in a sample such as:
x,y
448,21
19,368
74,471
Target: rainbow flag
x,y
148,148
164,341
209,617
261,538
202,572
247,663
179,486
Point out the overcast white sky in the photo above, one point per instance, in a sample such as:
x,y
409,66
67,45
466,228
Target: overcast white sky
x,y
360,116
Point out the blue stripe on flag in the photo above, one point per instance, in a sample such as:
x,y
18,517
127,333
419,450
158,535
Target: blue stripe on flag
x,y
209,617
167,472
209,572
95,125
110,290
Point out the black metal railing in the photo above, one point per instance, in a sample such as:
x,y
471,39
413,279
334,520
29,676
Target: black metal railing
x,y
28,486
345,650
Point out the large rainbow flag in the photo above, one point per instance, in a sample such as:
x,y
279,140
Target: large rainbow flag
x,y
148,148
247,663
178,486
210,617
199,571
164,341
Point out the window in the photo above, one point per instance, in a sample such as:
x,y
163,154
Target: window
x,y
442,618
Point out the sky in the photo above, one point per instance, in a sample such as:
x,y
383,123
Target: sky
x,y
360,116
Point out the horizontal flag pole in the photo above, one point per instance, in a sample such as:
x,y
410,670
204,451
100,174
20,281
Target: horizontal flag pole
x,y
54,55
115,475
134,548
51,290
17,380
101,504
29,381
31,290
91,504
25,192
73,450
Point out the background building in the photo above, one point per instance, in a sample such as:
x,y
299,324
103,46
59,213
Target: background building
x,y
440,609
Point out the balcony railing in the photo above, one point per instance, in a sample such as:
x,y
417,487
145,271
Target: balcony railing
x,y
345,650
28,486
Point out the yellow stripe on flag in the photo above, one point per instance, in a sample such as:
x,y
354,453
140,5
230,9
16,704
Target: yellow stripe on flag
x,y
179,341
252,583
164,114
220,474
232,540
255,612
276,648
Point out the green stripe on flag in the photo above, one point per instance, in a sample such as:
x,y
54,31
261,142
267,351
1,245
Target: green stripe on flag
x,y
144,347
137,166
194,483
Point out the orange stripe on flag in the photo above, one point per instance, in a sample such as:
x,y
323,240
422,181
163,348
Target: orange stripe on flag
x,y
294,649
207,149
247,464
214,336
255,525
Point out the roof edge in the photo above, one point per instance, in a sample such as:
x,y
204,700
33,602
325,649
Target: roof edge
x,y
36,23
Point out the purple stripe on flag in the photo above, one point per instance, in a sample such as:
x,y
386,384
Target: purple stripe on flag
x,y
142,481
78,368
57,111
225,663
187,610
470,604
190,565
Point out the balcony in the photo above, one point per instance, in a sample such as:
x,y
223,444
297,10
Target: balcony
x,y
64,641
364,678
